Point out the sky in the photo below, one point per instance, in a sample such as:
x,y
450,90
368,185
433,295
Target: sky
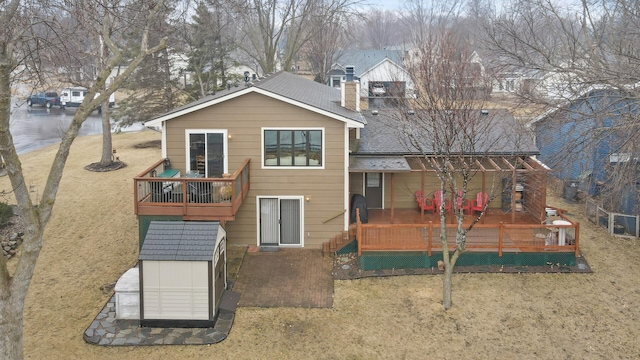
x,y
398,4
386,4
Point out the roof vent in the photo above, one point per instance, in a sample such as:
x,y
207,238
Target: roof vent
x,y
484,112
350,72
374,112
411,112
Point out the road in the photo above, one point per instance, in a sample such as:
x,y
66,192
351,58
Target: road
x,y
36,127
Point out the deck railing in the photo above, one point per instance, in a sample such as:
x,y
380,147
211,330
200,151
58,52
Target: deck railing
x,y
158,192
501,237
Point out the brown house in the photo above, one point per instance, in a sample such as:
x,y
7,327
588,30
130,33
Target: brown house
x,y
277,162
277,146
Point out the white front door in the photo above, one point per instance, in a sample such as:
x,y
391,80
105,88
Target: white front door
x,y
280,221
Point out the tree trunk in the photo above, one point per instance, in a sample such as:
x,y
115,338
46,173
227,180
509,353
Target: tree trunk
x,y
11,325
446,286
107,147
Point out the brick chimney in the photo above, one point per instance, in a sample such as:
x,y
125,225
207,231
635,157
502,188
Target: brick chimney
x,y
350,90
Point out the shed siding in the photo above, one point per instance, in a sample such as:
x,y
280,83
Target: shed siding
x,y
243,118
175,290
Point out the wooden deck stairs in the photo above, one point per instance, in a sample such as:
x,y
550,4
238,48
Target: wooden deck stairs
x,y
339,241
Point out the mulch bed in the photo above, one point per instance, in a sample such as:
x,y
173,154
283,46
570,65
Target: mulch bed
x,y
345,267
97,167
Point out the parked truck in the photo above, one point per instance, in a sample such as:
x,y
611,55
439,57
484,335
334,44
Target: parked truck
x,y
46,99
73,97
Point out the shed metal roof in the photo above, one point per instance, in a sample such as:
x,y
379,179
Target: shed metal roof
x,y
180,241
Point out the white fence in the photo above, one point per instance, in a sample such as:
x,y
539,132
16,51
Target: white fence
x,y
616,224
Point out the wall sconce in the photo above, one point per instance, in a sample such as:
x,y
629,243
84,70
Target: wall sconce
x,y
307,198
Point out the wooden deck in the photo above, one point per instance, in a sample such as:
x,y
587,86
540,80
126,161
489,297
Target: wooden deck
x,y
408,230
158,192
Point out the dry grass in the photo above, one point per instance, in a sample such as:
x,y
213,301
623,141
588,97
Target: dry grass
x,y
92,239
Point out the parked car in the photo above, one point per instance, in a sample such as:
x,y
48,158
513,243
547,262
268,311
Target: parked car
x,y
46,99
73,97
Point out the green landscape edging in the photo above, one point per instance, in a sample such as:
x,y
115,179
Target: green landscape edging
x,y
350,248
413,260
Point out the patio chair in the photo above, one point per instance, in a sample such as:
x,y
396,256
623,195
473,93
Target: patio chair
x,y
463,204
478,204
427,204
419,196
436,200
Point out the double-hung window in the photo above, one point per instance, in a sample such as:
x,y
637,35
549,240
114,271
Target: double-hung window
x,y
293,148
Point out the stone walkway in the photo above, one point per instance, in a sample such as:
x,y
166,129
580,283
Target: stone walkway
x,y
288,277
107,330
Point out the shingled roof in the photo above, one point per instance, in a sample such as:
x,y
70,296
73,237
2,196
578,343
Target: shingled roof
x,y
283,86
382,137
365,60
180,241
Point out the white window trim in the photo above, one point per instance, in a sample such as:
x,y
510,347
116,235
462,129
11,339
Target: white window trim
x,y
324,160
299,198
620,157
188,132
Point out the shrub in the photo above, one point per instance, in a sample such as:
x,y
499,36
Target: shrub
x,y
6,212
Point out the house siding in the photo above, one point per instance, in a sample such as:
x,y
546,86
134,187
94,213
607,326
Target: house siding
x,y
243,118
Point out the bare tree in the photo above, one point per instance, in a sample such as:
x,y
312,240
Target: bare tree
x,y
448,129
274,31
381,29
18,43
579,48
329,38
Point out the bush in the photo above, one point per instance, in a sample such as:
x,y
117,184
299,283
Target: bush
x,y
6,212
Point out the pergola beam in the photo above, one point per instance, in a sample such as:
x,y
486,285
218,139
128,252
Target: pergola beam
x,y
511,167
524,163
493,163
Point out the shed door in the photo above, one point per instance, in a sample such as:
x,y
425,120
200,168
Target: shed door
x,y
220,273
280,221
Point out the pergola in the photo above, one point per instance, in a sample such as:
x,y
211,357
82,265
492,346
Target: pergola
x,y
526,169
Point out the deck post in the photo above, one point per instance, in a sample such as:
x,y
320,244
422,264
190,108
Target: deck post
x,y
358,232
422,189
513,196
500,235
392,196
484,191
577,240
430,239
184,197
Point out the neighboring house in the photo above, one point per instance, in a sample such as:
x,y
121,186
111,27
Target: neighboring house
x,y
518,82
584,142
278,161
383,80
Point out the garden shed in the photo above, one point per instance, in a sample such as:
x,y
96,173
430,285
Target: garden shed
x,y
182,273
